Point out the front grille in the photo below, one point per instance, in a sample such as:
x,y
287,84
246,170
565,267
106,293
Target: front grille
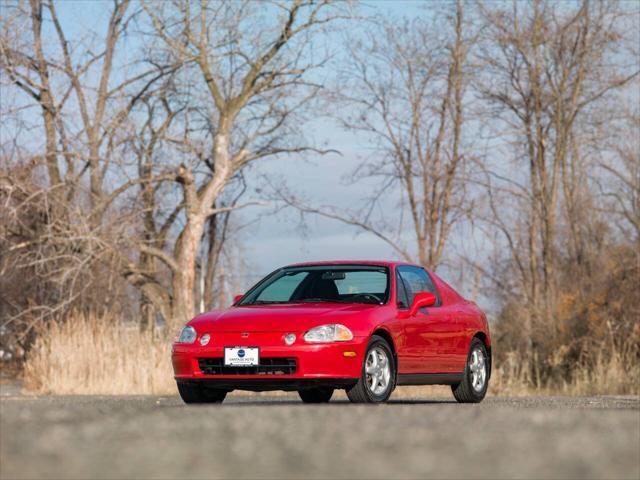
x,y
268,366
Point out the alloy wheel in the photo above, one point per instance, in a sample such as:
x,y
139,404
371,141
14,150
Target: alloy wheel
x,y
378,370
478,369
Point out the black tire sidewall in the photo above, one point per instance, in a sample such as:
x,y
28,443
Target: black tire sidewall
x,y
198,394
213,395
316,395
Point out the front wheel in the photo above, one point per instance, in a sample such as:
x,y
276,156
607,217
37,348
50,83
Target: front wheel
x,y
475,379
198,394
377,379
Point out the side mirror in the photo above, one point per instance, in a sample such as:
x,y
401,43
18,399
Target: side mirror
x,y
237,298
421,300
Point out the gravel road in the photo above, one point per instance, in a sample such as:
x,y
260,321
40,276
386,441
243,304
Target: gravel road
x,y
279,437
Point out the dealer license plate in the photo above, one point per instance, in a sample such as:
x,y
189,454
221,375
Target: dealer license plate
x,y
242,356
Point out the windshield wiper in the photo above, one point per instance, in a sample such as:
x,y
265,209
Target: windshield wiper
x,y
321,300
265,302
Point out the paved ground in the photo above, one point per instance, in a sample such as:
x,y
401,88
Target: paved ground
x,y
267,437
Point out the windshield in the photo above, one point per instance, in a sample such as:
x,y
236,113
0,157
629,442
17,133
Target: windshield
x,y
322,283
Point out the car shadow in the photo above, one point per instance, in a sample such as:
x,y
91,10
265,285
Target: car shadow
x,y
416,401
237,402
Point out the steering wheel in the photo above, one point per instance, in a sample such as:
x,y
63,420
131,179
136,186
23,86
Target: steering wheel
x,y
367,296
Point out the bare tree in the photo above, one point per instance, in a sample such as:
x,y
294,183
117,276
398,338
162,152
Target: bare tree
x,y
621,169
256,76
407,85
217,232
83,124
546,72
23,60
159,206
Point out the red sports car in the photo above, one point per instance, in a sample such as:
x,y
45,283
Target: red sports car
x,y
316,327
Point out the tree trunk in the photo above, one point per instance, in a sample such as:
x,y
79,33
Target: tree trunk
x,y
221,286
212,260
183,281
198,206
47,103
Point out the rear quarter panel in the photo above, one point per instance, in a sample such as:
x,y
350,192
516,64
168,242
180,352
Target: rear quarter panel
x,y
469,319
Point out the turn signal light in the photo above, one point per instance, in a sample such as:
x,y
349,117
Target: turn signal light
x,y
349,354
343,334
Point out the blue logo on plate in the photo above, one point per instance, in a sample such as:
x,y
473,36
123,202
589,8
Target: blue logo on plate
x,y
241,353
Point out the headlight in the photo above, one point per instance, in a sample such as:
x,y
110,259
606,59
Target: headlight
x,y
187,335
329,333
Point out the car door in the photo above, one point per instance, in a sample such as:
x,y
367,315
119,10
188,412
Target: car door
x,y
410,355
459,310
428,334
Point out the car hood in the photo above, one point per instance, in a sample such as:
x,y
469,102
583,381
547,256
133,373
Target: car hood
x,y
293,317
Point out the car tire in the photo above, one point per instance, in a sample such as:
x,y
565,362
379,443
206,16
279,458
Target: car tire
x,y
198,394
471,389
316,395
363,391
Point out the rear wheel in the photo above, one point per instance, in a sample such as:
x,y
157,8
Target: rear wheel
x,y
475,380
316,395
377,379
191,393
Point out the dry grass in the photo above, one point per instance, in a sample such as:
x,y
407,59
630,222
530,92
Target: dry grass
x,y
609,371
618,373
93,355
100,356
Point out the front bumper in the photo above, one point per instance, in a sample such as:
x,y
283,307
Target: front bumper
x,y
266,385
316,364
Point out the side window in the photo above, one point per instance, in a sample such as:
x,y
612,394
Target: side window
x,y
401,293
417,280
